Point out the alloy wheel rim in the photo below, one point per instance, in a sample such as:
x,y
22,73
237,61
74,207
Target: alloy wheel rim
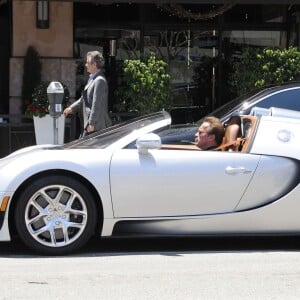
x,y
56,216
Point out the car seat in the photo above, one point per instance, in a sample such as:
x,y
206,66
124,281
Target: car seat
x,y
233,132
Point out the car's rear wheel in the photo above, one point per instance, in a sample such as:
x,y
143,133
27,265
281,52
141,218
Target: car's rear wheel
x,y
55,215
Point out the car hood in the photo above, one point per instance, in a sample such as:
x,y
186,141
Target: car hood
x,y
24,151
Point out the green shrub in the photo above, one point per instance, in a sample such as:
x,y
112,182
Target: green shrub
x,y
260,67
145,86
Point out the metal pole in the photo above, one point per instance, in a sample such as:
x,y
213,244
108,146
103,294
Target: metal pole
x,y
55,131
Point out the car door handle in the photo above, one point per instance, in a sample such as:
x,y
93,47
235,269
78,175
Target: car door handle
x,y
236,170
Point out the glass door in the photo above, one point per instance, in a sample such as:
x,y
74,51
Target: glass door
x,y
191,55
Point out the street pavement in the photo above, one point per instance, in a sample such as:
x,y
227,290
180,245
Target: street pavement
x,y
175,268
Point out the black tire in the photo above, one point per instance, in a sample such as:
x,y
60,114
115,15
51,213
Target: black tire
x,y
55,215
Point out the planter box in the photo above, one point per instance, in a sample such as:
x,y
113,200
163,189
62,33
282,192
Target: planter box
x,y
44,129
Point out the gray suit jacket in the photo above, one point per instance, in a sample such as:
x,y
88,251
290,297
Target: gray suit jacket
x,y
93,103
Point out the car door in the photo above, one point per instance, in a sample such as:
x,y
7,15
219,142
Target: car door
x,y
171,183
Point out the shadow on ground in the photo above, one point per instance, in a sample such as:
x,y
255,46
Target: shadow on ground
x,y
123,246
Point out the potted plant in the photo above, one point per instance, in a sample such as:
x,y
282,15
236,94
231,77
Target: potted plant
x,y
38,109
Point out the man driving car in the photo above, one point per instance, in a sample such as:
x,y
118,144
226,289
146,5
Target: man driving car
x,y
210,134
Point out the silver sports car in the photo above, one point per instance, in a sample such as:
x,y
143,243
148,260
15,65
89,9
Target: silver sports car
x,y
142,178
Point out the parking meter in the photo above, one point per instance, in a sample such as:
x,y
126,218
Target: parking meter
x,y
55,92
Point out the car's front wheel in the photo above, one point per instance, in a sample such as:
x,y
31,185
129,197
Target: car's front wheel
x,y
55,215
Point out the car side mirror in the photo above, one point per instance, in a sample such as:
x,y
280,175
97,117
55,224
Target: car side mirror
x,y
147,142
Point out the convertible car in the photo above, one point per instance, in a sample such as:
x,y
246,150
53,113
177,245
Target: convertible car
x,y
139,178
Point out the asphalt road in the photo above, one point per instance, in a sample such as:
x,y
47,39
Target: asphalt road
x,y
174,268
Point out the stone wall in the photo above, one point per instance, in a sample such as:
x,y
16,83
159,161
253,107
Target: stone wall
x,y
53,69
54,46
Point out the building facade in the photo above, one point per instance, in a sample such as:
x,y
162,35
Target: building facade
x,y
199,39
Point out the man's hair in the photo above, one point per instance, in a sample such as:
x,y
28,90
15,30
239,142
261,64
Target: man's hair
x,y
215,128
97,58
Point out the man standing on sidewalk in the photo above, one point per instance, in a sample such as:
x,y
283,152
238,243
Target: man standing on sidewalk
x,y
94,98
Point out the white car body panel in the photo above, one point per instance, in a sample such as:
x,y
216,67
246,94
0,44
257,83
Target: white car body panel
x,y
274,184
278,136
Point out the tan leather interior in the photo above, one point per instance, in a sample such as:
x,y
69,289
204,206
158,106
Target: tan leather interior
x,y
179,147
235,140
249,125
232,137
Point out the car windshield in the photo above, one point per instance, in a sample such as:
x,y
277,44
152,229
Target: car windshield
x,y
108,136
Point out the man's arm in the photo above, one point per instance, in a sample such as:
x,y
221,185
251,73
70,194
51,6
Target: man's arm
x,y
73,108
